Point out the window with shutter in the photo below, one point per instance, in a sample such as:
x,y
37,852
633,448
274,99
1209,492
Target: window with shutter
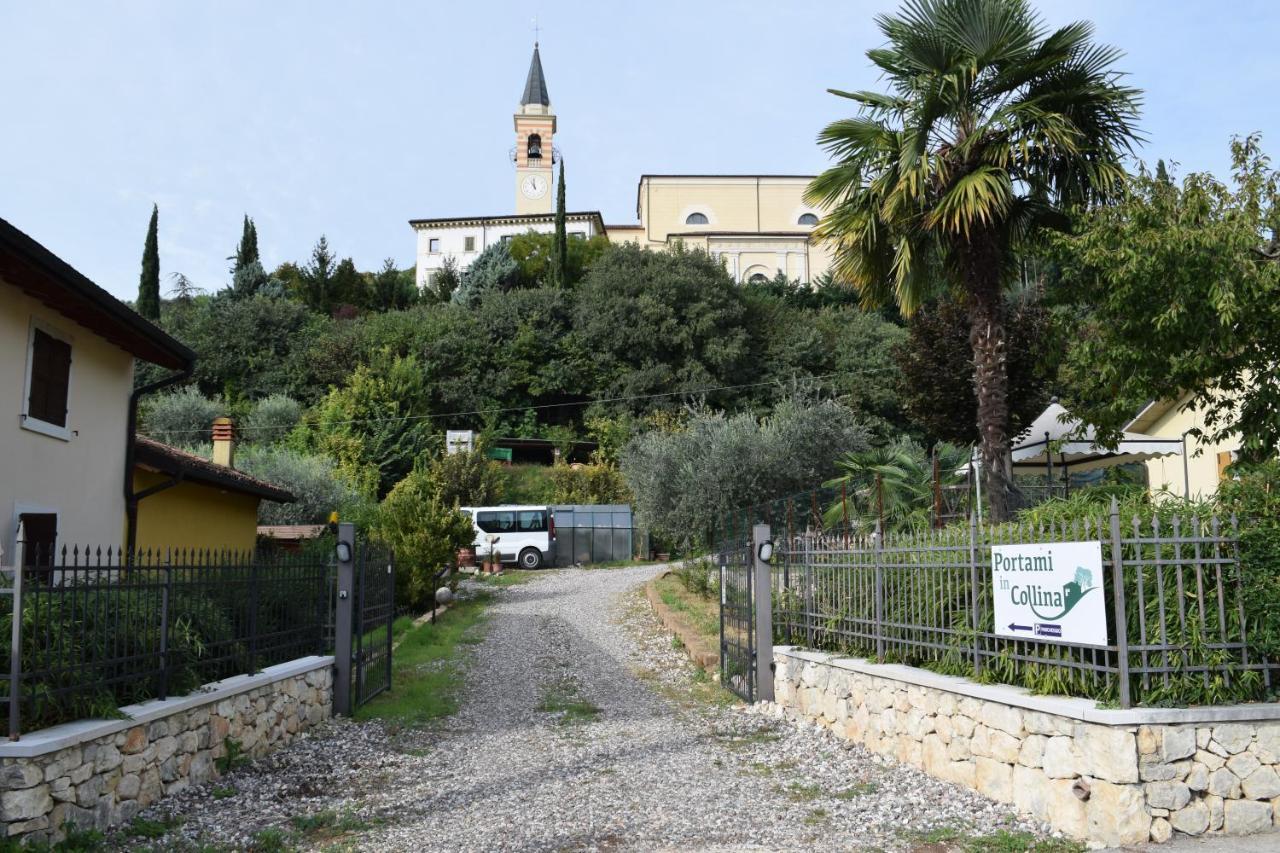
x,y
50,375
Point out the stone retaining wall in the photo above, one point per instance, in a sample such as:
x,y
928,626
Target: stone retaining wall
x,y
1105,777
100,774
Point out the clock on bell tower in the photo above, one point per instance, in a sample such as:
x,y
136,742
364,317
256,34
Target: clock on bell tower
x,y
534,154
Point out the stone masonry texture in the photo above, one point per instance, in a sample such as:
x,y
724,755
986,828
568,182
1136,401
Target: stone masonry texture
x,y
1102,784
105,781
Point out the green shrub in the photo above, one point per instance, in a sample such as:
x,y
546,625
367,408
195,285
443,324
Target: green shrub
x,y
1253,496
424,533
596,483
180,418
466,479
316,482
271,418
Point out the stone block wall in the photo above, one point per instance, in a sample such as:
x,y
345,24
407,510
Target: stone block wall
x,y
1108,784
99,774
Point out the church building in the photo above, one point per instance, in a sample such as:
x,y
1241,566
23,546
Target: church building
x,y
758,225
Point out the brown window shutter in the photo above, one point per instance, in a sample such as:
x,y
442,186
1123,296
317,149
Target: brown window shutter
x,y
1224,460
50,374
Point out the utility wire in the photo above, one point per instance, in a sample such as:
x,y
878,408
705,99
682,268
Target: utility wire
x,y
405,418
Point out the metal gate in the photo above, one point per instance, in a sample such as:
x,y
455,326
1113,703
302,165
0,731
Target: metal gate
x,y
746,614
374,611
737,618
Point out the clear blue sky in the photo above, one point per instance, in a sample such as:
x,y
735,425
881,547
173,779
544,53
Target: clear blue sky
x,y
348,119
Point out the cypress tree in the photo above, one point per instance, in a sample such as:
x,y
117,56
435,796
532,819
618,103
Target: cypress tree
x,y
149,282
562,239
253,242
247,248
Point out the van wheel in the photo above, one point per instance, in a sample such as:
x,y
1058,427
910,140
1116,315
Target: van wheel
x,y
530,558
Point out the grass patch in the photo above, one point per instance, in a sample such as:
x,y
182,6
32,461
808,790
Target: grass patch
x,y
565,699
800,792
426,668
620,564
329,825
1002,841
859,790
815,817
270,840
144,828
222,792
703,614
739,741
509,577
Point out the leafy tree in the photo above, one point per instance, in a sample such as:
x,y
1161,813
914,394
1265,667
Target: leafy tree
x,y
560,278
271,418
492,269
180,418
993,127
1183,288
596,483
536,256
317,278
314,480
373,425
936,364
687,482
446,281
249,279
893,482
466,479
149,281
348,285
661,321
424,532
392,290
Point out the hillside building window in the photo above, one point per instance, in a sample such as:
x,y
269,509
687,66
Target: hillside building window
x,y
696,219
469,244
48,383
759,278
433,245
807,219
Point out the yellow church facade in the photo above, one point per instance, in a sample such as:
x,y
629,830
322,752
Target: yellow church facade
x,y
757,225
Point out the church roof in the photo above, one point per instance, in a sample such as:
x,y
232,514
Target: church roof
x,y
535,88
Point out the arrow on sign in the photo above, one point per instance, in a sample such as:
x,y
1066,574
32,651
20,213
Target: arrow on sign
x,y
1013,627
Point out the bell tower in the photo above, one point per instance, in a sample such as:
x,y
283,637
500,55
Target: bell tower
x,y
534,155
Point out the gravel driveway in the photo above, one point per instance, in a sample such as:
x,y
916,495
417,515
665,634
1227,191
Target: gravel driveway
x,y
583,728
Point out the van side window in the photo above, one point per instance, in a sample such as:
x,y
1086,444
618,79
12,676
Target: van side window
x,y
496,522
533,522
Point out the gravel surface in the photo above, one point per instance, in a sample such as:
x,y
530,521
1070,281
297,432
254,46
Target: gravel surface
x,y
582,728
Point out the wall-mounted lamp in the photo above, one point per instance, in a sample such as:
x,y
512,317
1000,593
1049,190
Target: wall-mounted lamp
x,y
765,551
344,552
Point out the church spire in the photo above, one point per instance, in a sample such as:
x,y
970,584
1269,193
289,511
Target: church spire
x,y
535,87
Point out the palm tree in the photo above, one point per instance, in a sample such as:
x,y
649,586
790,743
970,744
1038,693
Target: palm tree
x,y
896,479
992,130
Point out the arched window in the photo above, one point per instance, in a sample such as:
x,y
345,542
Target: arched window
x,y
696,219
535,147
759,278
807,219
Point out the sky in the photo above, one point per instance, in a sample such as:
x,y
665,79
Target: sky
x,y
349,119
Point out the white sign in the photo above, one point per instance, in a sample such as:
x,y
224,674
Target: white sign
x,y
1050,591
459,441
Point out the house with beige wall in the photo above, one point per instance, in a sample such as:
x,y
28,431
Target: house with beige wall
x,y
1201,467
758,225
67,350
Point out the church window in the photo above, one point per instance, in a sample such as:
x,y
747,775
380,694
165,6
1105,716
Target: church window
x,y
470,244
696,219
506,238
433,245
535,147
807,219
581,235
759,278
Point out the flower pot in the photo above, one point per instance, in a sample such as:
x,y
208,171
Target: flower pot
x,y
466,557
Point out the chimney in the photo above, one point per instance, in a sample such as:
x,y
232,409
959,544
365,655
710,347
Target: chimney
x,y
224,442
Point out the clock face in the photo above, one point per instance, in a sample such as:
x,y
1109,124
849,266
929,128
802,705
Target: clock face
x,y
534,186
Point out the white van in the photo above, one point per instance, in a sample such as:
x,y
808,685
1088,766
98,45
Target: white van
x,y
526,534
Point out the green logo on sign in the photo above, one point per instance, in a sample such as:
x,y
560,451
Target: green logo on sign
x,y
1036,597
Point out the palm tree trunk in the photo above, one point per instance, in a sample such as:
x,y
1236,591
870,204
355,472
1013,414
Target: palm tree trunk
x,y
988,338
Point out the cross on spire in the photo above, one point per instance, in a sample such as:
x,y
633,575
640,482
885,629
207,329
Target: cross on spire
x,y
536,30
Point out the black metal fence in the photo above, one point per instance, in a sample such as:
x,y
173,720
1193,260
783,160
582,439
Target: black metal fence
x,y
737,615
1175,605
373,620
97,630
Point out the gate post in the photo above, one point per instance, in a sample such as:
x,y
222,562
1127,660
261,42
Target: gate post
x,y
764,615
343,619
1122,622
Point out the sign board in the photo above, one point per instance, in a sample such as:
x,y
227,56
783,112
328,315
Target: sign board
x,y
1050,591
459,441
